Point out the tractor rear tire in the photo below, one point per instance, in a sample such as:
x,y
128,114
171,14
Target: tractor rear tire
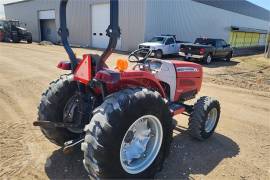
x,y
110,125
51,108
204,118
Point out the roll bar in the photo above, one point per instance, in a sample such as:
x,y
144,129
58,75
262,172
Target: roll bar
x,y
113,31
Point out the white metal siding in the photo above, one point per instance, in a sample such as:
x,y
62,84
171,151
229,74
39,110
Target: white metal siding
x,y
131,19
188,20
48,14
132,23
139,19
28,12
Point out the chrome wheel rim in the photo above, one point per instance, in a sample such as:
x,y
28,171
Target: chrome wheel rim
x,y
141,144
211,120
158,55
209,59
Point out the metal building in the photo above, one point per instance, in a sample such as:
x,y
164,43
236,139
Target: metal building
x,y
239,22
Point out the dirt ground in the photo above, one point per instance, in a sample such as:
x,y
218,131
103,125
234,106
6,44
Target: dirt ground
x,y
240,148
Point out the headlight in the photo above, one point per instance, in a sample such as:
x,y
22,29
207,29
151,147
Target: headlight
x,y
155,65
152,48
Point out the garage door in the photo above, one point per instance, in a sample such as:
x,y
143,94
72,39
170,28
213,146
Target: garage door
x,y
47,26
100,22
48,30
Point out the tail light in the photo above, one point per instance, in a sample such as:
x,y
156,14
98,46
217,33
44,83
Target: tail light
x,y
65,65
202,51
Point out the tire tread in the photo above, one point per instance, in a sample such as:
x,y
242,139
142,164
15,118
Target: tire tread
x,y
100,143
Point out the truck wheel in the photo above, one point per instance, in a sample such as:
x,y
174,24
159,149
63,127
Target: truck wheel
x,y
207,59
2,38
204,118
159,54
129,135
228,57
51,108
29,41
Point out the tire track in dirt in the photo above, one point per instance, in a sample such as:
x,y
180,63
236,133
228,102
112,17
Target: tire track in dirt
x,y
238,150
16,104
13,152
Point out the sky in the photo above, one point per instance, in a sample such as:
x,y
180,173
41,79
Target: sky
x,y
263,3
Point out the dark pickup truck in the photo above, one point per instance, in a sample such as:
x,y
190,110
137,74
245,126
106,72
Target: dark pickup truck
x,y
205,49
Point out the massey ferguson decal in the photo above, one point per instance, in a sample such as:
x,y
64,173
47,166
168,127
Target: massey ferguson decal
x,y
186,69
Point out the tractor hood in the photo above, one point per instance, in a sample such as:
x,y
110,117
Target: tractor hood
x,y
187,69
23,31
151,44
21,28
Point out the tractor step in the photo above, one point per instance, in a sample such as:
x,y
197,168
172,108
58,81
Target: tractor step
x,y
177,108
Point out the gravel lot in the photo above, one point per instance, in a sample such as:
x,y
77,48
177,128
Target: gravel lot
x,y
240,148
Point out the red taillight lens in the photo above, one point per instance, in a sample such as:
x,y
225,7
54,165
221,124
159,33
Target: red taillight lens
x,y
65,65
202,51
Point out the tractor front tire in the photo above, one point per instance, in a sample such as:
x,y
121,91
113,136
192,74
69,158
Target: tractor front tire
x,y
110,127
204,118
51,108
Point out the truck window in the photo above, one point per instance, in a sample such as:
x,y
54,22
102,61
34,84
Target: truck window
x,y
204,41
158,39
221,43
169,41
15,23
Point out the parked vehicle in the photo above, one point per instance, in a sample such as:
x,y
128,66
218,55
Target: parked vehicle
x,y
12,31
205,49
162,45
1,33
122,118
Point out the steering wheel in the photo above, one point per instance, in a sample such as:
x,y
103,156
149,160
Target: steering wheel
x,y
133,57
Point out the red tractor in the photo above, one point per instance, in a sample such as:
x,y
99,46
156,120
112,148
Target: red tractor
x,y
122,118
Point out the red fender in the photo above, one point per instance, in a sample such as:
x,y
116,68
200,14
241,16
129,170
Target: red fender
x,y
116,81
141,79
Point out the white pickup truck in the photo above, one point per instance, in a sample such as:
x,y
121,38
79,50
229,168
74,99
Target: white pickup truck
x,y
162,45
